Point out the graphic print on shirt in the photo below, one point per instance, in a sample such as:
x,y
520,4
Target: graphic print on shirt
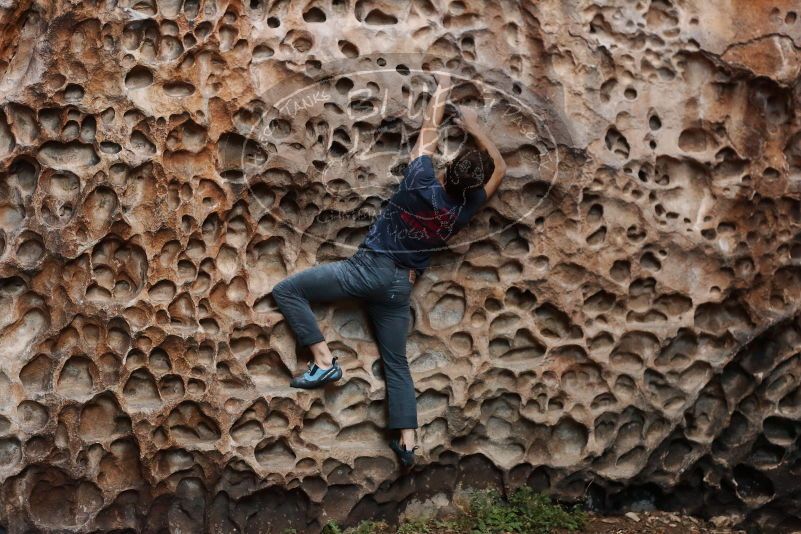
x,y
420,217
430,225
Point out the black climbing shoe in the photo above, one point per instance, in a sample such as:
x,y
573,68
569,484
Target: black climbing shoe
x,y
316,376
406,456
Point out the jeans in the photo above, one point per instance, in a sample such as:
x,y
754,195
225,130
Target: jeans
x,y
385,288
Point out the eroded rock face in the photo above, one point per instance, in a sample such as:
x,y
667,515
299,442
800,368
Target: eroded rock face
x,y
622,320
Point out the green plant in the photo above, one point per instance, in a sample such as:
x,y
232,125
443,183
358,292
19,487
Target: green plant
x,y
525,512
369,527
419,526
454,525
491,514
332,528
365,527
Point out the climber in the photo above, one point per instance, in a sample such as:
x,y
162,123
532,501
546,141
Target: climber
x,y
427,209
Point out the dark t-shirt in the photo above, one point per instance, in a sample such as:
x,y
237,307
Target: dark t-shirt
x,y
420,217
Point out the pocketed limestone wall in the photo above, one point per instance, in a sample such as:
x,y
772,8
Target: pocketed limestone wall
x,y
620,323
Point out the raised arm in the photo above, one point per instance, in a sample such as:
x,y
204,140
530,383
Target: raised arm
x,y
432,117
469,122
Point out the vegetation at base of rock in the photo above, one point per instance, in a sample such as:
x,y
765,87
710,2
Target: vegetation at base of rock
x,y
365,527
524,512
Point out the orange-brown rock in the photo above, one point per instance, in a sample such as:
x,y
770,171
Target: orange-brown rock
x,y
621,322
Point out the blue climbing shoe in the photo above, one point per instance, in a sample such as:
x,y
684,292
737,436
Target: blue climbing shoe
x,y
316,376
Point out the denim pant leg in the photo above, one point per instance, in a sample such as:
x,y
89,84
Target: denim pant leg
x,y
386,289
317,284
391,316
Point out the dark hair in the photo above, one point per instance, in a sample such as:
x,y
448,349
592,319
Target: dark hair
x,y
469,170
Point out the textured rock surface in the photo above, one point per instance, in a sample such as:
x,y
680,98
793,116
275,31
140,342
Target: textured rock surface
x,y
622,321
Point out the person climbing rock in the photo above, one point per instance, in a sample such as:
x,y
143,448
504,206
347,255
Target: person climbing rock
x,y
427,209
